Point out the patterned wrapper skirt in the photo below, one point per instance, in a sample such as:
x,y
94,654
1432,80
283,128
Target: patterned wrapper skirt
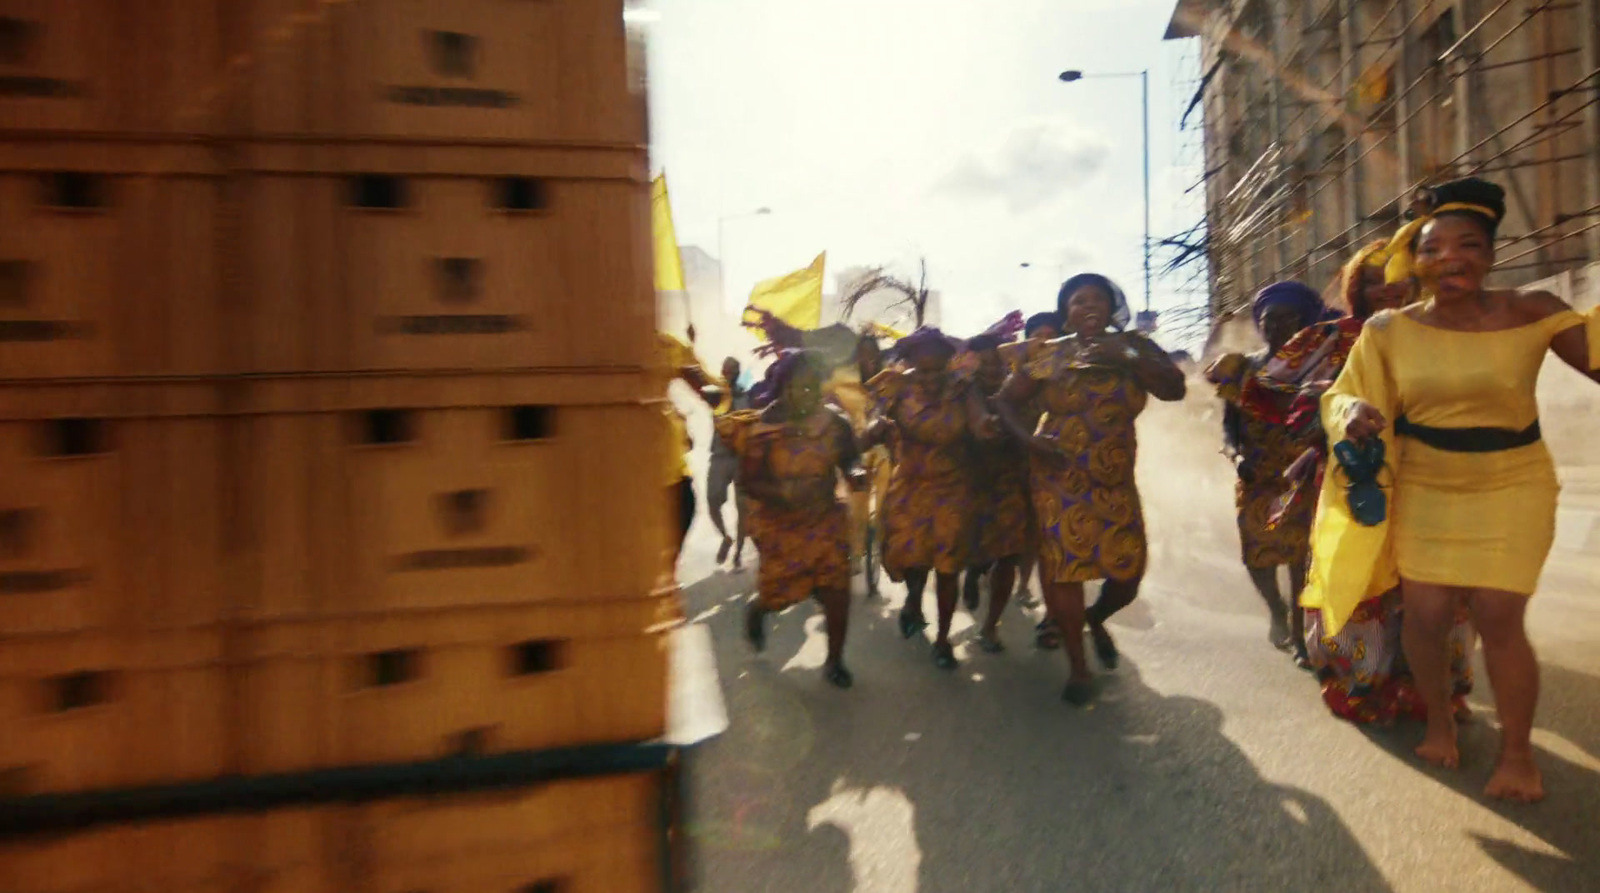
x,y
1087,530
801,552
1363,671
927,524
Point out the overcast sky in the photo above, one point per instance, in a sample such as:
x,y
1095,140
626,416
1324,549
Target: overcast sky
x,y
884,130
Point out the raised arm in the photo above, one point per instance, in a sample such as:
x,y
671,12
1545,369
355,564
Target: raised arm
x,y
1577,343
1362,401
1155,371
1017,391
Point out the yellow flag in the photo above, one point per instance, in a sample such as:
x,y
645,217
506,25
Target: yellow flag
x,y
796,298
879,330
669,265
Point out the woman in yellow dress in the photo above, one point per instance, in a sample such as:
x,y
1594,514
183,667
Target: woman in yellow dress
x,y
1448,386
930,412
791,451
1092,385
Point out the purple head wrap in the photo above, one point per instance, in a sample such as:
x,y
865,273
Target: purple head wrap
x,y
922,338
1305,300
770,388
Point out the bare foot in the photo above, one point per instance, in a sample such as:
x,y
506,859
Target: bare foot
x,y
1439,747
1516,778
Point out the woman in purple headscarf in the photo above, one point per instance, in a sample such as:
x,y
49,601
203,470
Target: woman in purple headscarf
x,y
791,450
1262,450
931,412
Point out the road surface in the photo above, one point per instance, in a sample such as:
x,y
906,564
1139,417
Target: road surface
x,y
1207,764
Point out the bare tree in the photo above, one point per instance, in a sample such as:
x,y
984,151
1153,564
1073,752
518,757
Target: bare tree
x,y
877,279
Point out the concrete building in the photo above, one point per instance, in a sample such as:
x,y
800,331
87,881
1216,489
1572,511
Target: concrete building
x,y
1323,117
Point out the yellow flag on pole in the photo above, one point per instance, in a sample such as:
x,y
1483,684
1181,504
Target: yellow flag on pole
x,y
669,264
796,298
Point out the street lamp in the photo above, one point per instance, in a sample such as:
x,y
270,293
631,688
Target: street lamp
x,y
1071,75
722,263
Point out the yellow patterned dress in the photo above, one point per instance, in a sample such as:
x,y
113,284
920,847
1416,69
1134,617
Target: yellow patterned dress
x,y
1091,525
1265,450
802,549
846,389
1003,516
928,509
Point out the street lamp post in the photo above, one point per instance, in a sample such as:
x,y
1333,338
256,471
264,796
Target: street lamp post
x,y
1144,92
722,262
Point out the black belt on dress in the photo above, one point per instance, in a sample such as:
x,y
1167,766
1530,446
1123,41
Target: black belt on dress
x,y
1468,440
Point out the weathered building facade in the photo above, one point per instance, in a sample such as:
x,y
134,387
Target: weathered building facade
x,y
1323,117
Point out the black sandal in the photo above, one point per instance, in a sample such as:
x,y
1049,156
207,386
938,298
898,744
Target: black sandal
x,y
1045,636
944,656
991,644
1105,648
1078,694
837,676
911,623
755,627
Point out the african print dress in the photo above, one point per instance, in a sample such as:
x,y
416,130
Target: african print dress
x,y
802,549
1264,450
1091,525
927,513
1002,516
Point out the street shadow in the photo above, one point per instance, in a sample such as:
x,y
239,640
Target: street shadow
x,y
1569,818
918,781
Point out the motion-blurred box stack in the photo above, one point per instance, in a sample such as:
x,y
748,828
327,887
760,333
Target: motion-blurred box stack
x,y
326,424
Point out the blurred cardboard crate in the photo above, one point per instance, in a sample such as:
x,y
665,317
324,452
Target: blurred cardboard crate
x,y
426,685
98,66
552,70
109,263
598,835
109,524
394,505
387,271
90,711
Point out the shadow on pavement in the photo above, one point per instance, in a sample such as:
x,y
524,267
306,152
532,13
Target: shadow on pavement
x,y
998,787
1569,819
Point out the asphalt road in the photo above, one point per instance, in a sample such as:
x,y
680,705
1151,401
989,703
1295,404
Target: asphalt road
x,y
1208,762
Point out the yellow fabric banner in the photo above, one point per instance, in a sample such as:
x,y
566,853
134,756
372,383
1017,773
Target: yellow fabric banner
x,y
669,265
795,298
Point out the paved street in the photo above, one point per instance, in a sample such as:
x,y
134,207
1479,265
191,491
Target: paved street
x,y
1208,762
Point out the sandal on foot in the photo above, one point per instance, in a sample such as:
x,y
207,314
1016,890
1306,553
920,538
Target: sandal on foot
x,y
911,624
990,644
1302,659
837,676
1046,636
1078,693
755,627
944,656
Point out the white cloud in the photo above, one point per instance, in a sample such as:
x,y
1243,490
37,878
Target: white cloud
x,y
1033,165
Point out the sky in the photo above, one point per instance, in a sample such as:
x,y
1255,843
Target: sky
x,y
883,131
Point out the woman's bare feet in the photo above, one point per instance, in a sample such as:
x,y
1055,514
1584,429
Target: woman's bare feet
x,y
1439,745
1516,778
